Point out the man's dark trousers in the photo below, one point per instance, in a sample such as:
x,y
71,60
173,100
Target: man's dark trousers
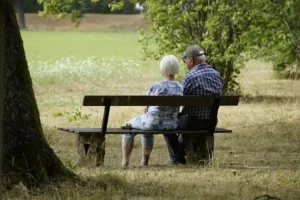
x,y
178,143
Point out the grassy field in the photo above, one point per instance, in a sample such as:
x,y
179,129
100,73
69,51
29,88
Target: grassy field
x,y
260,157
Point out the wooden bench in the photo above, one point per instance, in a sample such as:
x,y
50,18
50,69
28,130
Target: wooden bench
x,y
91,141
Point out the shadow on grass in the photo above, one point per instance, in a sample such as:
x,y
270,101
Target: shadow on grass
x,y
165,183
272,146
144,185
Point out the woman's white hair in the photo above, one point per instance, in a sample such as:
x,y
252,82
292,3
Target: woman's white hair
x,y
169,65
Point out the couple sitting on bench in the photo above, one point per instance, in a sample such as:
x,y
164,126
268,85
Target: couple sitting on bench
x,y
202,79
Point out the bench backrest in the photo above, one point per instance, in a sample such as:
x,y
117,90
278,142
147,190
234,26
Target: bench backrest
x,y
141,100
138,100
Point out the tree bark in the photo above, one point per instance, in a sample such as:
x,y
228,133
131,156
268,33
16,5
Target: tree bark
x,y
21,14
27,154
1,93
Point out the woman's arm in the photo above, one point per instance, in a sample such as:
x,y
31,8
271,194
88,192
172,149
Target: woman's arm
x,y
154,90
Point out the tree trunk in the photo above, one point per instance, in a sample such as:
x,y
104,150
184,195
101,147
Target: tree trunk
x,y
1,92
26,151
21,14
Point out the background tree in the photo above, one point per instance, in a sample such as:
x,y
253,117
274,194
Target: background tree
x,y
86,6
277,37
76,8
27,155
21,13
229,31
128,7
31,6
217,26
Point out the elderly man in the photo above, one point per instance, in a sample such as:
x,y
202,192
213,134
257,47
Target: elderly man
x,y
202,79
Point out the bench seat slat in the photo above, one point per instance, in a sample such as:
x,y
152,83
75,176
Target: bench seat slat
x,y
97,131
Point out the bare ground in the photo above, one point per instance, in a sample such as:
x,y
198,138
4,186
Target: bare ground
x,y
90,22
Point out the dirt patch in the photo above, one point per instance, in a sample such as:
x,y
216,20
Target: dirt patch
x,y
90,22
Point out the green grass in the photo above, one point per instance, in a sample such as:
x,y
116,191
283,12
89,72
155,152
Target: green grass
x,y
45,46
260,157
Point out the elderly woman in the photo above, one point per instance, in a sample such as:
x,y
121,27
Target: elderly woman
x,y
155,117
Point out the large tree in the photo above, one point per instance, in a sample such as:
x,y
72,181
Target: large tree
x,y
26,151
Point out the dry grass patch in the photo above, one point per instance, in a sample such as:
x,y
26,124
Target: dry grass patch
x,y
90,22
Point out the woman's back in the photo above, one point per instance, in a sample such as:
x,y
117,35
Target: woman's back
x,y
163,117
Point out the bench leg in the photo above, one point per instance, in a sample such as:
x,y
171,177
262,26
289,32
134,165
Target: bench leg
x,y
199,150
91,150
83,147
100,150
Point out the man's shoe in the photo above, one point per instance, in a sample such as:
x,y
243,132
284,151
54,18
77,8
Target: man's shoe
x,y
171,161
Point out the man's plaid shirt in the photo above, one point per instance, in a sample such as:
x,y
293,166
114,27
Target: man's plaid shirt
x,y
201,80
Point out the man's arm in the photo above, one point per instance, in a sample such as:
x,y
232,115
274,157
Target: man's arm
x,y
187,85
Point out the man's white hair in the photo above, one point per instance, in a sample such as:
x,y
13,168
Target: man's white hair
x,y
202,57
169,65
